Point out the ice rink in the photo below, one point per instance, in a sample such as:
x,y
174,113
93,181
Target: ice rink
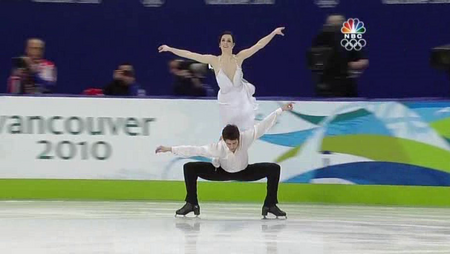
x,y
57,227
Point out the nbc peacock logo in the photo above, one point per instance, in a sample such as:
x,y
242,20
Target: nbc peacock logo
x,y
353,30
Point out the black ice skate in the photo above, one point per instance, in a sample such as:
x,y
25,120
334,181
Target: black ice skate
x,y
187,208
273,210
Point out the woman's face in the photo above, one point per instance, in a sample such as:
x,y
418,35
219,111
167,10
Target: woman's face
x,y
226,42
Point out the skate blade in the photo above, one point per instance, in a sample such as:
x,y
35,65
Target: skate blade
x,y
265,217
187,217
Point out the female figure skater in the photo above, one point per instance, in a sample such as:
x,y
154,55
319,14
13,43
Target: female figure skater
x,y
236,102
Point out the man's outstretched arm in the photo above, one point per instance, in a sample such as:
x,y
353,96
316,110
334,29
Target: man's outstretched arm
x,y
262,127
211,150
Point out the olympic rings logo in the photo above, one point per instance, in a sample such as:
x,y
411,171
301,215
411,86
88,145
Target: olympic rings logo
x,y
353,44
353,29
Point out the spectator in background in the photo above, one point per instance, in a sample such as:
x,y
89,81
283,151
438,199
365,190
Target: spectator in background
x,y
340,67
32,74
199,72
124,83
186,83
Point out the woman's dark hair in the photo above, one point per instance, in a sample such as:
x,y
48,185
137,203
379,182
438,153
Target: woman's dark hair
x,y
227,33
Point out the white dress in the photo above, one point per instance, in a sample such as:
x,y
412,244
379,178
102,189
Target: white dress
x,y
236,102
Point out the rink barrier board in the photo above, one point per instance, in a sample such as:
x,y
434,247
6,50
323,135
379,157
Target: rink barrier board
x,y
120,190
354,142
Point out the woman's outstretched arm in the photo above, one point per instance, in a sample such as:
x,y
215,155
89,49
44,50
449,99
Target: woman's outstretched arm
x,y
206,59
246,53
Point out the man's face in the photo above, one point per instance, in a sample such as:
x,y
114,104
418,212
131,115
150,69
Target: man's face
x,y
232,144
335,21
174,67
127,74
35,49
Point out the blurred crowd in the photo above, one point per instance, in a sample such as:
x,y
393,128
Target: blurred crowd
x,y
31,73
335,70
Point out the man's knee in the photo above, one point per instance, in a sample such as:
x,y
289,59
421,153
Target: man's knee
x,y
275,168
188,166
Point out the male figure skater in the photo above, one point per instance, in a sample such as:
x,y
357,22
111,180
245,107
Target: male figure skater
x,y
231,153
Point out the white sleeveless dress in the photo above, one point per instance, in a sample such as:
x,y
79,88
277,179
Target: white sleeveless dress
x,y
236,102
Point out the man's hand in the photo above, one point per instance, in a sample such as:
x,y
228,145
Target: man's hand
x,y
118,75
288,107
358,65
184,74
19,72
31,65
163,149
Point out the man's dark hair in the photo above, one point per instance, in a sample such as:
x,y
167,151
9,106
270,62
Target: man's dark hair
x,y
229,33
128,73
125,63
230,132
